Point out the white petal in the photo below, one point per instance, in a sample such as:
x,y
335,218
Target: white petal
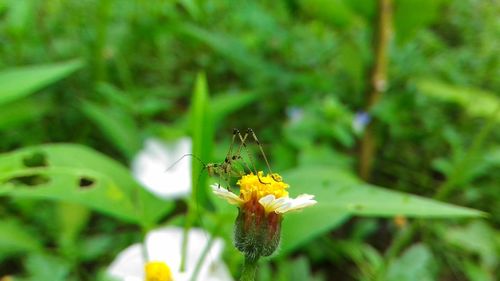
x,y
150,168
301,202
128,265
165,245
219,272
226,194
271,204
267,200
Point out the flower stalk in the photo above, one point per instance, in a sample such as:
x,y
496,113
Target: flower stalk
x,y
249,269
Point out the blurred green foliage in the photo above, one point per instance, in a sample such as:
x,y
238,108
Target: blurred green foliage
x,y
96,78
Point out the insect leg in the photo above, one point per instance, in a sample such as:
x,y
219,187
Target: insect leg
x,y
243,145
251,132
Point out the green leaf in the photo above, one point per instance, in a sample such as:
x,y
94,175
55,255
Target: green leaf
x,y
475,272
14,238
223,105
478,238
225,45
334,12
117,126
340,191
19,82
18,112
43,267
72,219
416,264
300,228
340,195
77,174
202,132
477,103
411,15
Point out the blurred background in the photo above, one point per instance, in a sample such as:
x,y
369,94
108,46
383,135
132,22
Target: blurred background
x,y
398,95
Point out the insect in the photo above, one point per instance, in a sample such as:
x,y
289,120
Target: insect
x,y
234,164
226,170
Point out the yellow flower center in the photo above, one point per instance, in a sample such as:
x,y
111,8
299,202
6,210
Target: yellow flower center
x,y
157,271
259,186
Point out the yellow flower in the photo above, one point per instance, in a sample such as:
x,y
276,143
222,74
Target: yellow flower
x,y
270,191
261,202
157,271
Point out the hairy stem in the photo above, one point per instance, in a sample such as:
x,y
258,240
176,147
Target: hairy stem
x,y
249,269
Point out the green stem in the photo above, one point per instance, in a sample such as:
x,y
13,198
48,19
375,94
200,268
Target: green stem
x,y
207,248
185,235
249,269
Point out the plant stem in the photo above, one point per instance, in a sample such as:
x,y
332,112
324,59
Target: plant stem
x,y
378,83
185,235
207,248
249,269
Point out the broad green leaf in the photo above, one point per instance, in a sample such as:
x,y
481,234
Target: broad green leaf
x,y
300,228
340,195
14,238
16,83
339,191
77,174
477,103
117,126
416,264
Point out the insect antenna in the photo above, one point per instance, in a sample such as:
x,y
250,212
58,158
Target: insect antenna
x,y
182,157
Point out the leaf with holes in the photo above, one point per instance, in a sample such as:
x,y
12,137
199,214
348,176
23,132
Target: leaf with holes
x,y
78,174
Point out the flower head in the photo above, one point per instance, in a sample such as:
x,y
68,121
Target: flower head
x,y
269,191
163,248
262,201
157,271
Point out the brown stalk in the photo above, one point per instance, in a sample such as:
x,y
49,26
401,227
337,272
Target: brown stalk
x,y
378,84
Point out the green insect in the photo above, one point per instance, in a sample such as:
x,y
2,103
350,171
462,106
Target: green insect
x,y
234,164
227,170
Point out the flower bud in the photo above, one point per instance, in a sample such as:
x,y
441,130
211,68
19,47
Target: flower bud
x,y
257,233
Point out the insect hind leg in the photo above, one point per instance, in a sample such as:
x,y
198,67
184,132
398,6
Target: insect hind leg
x,y
243,145
256,140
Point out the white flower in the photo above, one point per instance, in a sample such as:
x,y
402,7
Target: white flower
x,y
150,165
165,245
